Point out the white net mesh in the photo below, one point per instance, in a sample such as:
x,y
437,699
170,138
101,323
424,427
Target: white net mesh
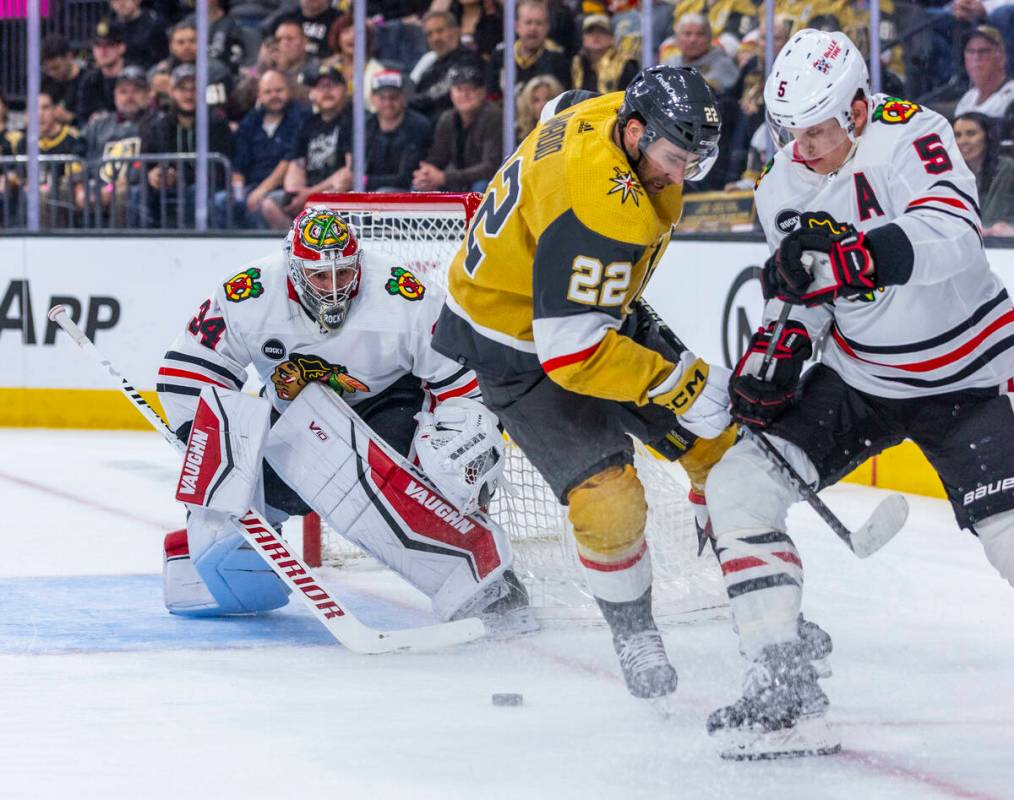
x,y
424,233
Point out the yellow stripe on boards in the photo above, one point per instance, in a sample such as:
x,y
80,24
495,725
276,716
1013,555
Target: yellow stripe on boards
x,y
105,409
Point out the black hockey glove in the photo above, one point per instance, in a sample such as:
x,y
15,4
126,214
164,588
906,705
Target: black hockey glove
x,y
758,400
811,267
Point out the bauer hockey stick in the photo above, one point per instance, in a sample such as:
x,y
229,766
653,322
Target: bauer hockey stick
x,y
887,518
258,532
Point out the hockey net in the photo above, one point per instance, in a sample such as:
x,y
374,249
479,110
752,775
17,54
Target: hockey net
x,y
424,231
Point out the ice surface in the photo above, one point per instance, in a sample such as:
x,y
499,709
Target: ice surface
x,y
106,696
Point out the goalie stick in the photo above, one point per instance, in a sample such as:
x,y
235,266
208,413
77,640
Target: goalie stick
x,y
339,621
887,518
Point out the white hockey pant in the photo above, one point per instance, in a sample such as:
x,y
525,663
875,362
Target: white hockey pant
x,y
748,499
374,498
997,536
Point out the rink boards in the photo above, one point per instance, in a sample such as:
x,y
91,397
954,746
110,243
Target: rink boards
x,y
134,294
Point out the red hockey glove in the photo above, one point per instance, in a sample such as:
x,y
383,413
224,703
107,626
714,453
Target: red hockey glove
x,y
811,267
758,400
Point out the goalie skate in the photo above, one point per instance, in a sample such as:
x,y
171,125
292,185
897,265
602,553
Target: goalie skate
x,y
782,711
507,611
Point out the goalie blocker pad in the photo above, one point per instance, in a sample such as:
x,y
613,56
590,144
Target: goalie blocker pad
x,y
376,499
222,462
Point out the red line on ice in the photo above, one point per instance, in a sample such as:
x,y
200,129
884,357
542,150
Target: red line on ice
x,y
93,504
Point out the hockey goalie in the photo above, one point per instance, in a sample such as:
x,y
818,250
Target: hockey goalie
x,y
353,398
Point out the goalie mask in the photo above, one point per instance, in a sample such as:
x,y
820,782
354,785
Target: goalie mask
x,y
680,116
324,260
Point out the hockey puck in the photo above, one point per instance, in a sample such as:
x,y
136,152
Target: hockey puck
x,y
507,699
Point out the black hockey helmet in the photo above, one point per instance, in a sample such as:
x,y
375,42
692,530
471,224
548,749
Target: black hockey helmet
x,y
676,105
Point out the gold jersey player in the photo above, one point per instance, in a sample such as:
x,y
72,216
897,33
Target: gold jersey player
x,y
543,306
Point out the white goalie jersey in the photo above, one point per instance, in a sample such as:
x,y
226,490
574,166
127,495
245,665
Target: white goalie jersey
x,y
255,319
951,325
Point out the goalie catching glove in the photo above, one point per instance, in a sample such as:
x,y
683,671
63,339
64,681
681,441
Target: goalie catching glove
x,y
811,267
461,450
757,399
697,393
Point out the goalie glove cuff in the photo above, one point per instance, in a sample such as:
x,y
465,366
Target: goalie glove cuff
x,y
892,253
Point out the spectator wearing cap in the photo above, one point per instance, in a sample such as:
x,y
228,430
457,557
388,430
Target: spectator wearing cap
x,y
467,142
175,132
143,32
693,38
432,94
315,17
183,50
985,56
96,90
319,158
397,137
534,53
117,135
61,76
599,67
952,22
261,147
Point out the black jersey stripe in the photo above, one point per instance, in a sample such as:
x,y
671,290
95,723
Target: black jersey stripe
x,y
211,366
957,191
171,388
939,210
448,381
976,317
978,363
756,584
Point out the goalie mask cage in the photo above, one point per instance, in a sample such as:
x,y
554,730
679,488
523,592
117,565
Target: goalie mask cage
x,y
424,231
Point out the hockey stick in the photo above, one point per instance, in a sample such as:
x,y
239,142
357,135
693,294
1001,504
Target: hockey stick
x,y
887,518
258,532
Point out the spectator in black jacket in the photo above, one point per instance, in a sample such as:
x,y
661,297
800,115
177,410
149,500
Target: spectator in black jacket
x,y
95,94
468,141
315,17
397,138
432,86
174,132
61,77
534,53
144,32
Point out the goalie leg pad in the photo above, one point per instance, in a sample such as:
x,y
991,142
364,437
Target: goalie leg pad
x,y
376,499
236,579
609,512
222,462
748,500
997,536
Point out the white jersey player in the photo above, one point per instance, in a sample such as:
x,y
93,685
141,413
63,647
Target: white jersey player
x,y
359,324
873,221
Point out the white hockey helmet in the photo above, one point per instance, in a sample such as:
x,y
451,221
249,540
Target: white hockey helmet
x,y
324,260
814,78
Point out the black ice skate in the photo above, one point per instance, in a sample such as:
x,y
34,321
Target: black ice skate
x,y
504,608
645,665
782,711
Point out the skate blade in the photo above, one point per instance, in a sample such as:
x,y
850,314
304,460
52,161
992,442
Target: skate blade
x,y
513,623
810,736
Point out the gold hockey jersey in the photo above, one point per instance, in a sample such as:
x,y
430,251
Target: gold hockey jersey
x,y
565,239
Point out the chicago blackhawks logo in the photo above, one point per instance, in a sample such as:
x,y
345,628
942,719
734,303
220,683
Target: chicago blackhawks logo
x,y
895,111
323,229
625,182
292,375
404,283
243,285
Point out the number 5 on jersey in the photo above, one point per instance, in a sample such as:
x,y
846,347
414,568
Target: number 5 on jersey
x,y
497,206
